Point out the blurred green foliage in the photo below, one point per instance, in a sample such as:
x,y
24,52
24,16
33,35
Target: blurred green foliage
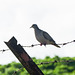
x,y
57,68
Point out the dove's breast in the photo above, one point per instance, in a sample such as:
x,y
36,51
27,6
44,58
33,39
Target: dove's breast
x,y
39,36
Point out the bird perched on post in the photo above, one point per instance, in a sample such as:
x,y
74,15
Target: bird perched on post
x,y
43,37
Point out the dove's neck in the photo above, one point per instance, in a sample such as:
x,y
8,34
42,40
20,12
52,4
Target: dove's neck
x,y
37,30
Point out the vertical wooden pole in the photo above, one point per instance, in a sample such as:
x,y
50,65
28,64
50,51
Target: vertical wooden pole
x,y
23,57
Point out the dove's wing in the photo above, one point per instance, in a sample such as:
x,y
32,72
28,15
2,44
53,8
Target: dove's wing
x,y
48,37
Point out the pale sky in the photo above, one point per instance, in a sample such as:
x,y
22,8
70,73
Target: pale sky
x,y
57,17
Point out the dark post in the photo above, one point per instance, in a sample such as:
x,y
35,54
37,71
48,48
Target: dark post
x,y
23,57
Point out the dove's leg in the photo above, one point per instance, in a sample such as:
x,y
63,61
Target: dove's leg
x,y
43,44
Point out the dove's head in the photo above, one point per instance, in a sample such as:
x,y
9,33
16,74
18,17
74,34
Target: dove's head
x,y
34,26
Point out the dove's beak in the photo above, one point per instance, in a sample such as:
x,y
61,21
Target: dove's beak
x,y
31,27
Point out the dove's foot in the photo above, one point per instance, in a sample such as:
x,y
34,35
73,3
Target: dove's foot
x,y
43,44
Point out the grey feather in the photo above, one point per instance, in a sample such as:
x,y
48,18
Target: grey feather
x,y
48,37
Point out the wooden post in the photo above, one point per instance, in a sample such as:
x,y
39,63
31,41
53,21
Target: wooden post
x,y
23,57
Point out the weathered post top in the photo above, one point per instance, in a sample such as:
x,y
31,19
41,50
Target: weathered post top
x,y
23,57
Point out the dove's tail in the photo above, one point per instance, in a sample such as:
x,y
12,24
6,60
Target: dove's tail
x,y
56,45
